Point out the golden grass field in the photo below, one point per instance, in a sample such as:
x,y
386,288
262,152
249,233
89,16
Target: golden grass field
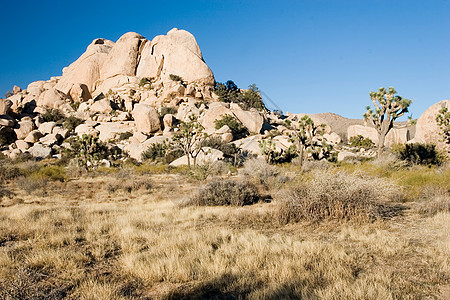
x,y
84,239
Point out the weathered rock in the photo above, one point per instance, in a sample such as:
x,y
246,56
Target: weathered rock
x,y
185,110
80,92
86,69
33,136
216,111
112,130
208,155
123,57
16,90
227,137
40,151
250,144
397,136
223,129
24,127
176,53
136,148
52,98
252,119
333,138
36,88
47,127
168,121
50,139
6,121
101,106
15,153
140,137
5,106
22,145
61,131
427,130
365,131
344,155
146,118
86,129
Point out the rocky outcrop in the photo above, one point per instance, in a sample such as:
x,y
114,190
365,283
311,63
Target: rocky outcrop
x,y
146,118
427,130
395,136
175,53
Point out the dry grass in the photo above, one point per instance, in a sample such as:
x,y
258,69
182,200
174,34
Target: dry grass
x,y
81,242
337,195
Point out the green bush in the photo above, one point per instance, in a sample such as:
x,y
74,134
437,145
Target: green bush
x,y
231,152
125,135
230,93
236,127
361,142
225,192
50,173
174,77
71,122
53,115
156,152
144,81
167,110
420,154
88,151
8,171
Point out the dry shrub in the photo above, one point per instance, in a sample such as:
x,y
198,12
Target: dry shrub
x,y
31,184
208,169
310,165
260,170
129,185
434,200
225,192
337,195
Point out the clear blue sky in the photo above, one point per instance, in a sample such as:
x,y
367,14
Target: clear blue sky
x,y
308,56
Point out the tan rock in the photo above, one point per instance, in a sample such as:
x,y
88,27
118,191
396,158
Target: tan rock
x,y
22,145
250,144
47,127
86,69
427,130
185,110
168,121
50,139
86,129
146,118
223,129
33,136
112,130
333,138
36,88
253,120
52,98
227,137
16,90
40,151
61,131
5,106
124,56
24,127
6,121
365,131
397,136
216,111
176,53
140,137
80,92
101,106
344,155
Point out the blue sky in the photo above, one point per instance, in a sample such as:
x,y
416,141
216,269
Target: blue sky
x,y
308,56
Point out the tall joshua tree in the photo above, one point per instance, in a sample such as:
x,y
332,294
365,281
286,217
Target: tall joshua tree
x,y
388,107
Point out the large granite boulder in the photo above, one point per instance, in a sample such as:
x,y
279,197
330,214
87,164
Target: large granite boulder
x,y
146,118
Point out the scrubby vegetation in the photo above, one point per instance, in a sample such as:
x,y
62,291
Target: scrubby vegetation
x,y
367,230
230,93
361,142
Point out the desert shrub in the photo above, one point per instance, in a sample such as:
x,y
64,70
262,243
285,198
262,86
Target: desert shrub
x,y
337,195
225,192
274,156
9,171
437,204
50,173
259,170
156,152
236,127
53,115
174,77
129,185
125,135
71,122
88,151
144,81
231,152
230,93
31,185
310,165
361,142
206,169
4,192
165,110
420,154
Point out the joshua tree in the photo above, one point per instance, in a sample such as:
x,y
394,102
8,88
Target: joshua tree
x,y
190,138
388,107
